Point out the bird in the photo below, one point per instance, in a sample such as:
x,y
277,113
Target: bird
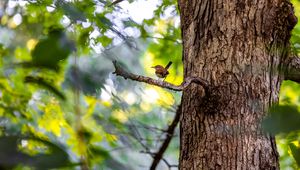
x,y
162,72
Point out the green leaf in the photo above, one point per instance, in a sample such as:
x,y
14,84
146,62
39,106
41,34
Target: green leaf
x,y
48,52
295,152
83,39
103,23
99,152
282,119
22,54
104,40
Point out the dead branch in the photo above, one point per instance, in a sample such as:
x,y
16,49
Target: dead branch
x,y
170,132
127,75
138,138
115,2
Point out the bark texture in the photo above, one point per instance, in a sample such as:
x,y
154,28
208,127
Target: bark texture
x,y
239,48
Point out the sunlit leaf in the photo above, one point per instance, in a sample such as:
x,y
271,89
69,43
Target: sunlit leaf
x,y
52,119
83,38
105,41
22,54
295,152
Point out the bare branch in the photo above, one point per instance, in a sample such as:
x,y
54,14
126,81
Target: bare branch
x,y
170,132
127,75
165,161
115,2
147,149
292,71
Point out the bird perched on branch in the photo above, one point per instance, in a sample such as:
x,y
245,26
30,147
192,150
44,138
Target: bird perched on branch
x,y
161,71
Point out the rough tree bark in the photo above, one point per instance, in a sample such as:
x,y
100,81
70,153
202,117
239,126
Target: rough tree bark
x,y
239,47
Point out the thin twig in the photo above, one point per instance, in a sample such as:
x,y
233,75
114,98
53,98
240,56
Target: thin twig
x,y
127,75
142,125
138,138
164,160
115,3
170,132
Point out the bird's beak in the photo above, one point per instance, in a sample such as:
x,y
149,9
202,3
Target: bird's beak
x,y
152,67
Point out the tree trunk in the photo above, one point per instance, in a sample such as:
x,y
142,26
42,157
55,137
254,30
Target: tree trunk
x,y
238,46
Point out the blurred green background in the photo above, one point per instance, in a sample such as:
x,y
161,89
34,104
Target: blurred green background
x,y
61,107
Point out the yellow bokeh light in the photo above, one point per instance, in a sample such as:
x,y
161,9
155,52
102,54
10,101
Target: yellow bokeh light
x,y
296,143
105,103
111,137
4,20
120,115
148,62
161,26
166,98
146,107
31,44
2,111
11,24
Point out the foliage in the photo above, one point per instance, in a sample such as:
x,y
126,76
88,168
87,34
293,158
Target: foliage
x,y
13,151
285,123
282,113
60,105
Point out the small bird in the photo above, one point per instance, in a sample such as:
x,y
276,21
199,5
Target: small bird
x,y
161,71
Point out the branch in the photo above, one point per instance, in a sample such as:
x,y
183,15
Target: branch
x,y
170,132
127,75
165,161
115,3
292,71
137,136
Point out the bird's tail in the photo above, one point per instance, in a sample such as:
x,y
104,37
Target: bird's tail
x,y
168,65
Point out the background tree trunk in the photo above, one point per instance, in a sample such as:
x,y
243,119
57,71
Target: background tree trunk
x,y
238,46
